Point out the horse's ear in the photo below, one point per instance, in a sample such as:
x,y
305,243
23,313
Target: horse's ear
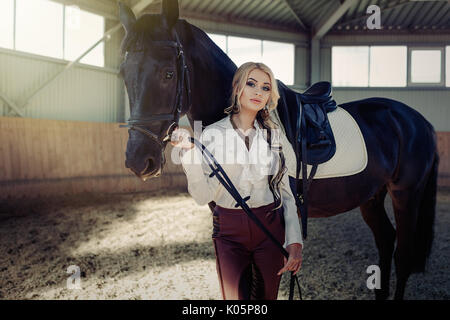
x,y
127,17
170,12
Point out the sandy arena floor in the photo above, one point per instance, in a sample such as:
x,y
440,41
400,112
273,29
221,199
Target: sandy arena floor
x,y
158,246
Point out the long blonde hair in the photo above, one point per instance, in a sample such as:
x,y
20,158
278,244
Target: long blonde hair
x,y
263,117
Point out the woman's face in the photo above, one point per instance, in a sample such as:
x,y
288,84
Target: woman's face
x,y
256,91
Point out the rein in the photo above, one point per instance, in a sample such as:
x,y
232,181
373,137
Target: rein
x,y
223,178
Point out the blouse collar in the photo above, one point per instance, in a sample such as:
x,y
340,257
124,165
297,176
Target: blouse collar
x,y
226,123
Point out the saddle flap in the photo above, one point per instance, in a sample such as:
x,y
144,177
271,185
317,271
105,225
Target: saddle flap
x,y
316,129
314,114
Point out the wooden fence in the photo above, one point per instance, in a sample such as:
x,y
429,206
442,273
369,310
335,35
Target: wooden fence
x,y
55,157
444,161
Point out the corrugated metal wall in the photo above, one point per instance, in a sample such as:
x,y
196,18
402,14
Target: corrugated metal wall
x,y
86,94
432,104
82,93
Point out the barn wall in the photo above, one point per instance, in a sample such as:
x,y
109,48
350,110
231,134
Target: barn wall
x,y
432,104
52,157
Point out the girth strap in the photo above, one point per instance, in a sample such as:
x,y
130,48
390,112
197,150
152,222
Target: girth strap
x,y
301,153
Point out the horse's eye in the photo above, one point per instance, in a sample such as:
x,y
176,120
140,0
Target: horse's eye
x,y
169,74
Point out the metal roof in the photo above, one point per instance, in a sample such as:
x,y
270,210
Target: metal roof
x,y
304,16
307,15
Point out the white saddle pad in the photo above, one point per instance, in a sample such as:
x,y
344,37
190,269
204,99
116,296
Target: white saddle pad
x,y
351,153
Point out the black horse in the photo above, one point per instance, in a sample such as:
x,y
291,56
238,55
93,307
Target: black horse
x,y
172,68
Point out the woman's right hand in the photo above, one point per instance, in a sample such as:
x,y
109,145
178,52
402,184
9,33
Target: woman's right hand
x,y
180,138
294,263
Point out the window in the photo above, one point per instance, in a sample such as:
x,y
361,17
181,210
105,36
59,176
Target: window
x,y
7,24
280,58
82,30
387,66
51,29
242,50
39,27
349,66
425,66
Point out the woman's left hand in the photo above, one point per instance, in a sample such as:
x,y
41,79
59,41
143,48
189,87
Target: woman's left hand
x,y
294,262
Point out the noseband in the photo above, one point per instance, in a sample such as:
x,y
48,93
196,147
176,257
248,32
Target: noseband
x,y
141,124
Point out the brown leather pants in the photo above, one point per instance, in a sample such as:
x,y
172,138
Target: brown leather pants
x,y
247,261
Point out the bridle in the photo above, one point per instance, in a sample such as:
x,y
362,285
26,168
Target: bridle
x,y
141,124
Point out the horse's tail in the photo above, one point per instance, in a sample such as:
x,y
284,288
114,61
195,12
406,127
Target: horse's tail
x,y
424,233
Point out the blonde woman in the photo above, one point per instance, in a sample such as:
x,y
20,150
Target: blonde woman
x,y
246,143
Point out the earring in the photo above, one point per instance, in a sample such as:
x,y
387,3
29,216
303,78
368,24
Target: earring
x,y
235,105
265,112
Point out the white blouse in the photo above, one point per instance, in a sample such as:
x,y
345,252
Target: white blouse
x,y
247,170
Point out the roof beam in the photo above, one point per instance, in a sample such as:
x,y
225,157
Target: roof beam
x,y
104,8
141,5
297,18
12,105
196,18
321,30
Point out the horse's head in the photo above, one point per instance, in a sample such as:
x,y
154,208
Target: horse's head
x,y
156,80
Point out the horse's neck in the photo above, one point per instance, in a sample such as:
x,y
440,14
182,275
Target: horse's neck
x,y
212,72
211,75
